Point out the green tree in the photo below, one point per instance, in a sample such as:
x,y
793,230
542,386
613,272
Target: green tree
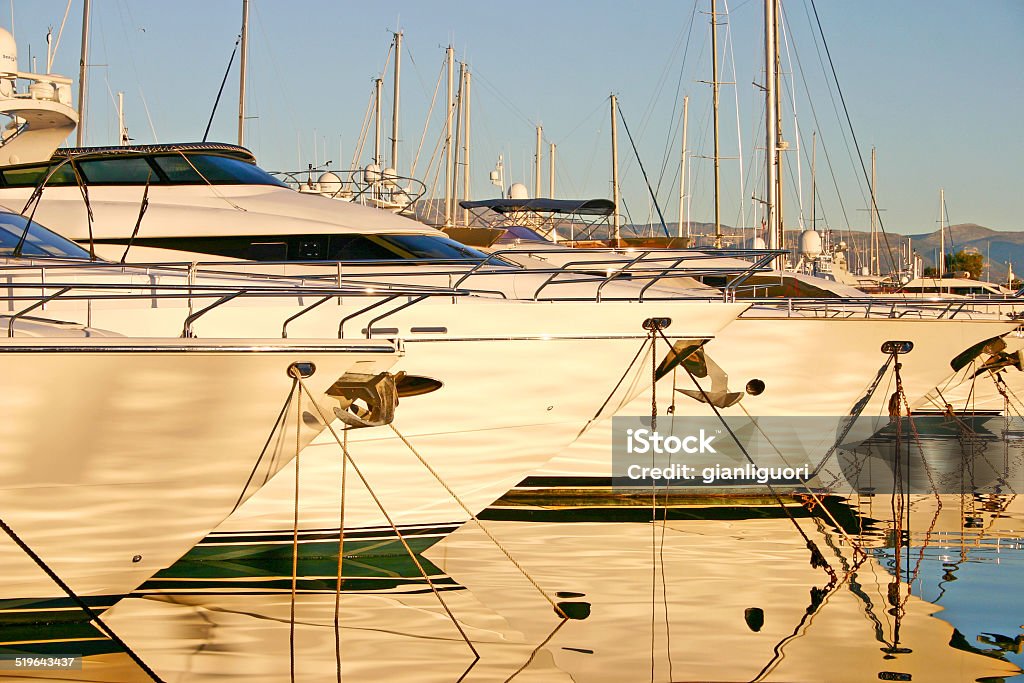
x,y
972,262
930,271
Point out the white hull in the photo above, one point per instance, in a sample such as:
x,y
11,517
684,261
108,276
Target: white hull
x,y
118,455
809,366
520,381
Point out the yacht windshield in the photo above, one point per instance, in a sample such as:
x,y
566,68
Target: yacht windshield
x,y
38,241
388,247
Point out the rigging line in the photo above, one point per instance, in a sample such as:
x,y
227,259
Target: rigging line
x,y
832,99
56,44
853,134
475,518
736,98
817,559
220,90
788,86
82,604
672,131
390,520
135,71
478,78
364,132
426,124
642,170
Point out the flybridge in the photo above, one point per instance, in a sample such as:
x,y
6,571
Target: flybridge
x,y
181,164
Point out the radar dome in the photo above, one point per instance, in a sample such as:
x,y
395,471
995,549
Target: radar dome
x,y
518,191
371,174
810,244
329,183
757,243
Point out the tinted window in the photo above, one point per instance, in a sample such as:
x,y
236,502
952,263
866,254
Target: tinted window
x,y
228,171
359,248
177,169
33,175
429,247
38,242
120,170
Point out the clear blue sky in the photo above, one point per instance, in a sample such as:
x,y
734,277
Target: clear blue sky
x,y
936,86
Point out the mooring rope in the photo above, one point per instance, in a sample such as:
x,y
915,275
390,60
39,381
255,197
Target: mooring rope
x,y
295,526
341,558
817,559
479,523
390,521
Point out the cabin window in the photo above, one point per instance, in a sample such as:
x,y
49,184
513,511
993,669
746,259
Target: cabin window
x,y
430,247
359,248
177,169
228,171
38,242
119,170
33,175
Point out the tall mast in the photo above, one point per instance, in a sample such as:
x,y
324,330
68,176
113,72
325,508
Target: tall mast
x,y
771,122
814,155
449,183
551,170
122,132
714,89
874,264
82,63
942,232
682,173
241,72
780,143
460,108
616,223
394,108
377,88
467,80
536,163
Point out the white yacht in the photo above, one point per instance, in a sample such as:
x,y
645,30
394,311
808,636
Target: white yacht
x,y
119,453
515,381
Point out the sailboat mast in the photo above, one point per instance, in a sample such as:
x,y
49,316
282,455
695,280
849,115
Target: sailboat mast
x,y
942,231
377,97
714,90
449,184
394,108
814,189
771,129
536,163
241,72
616,222
122,132
467,80
682,173
551,170
82,63
874,265
780,143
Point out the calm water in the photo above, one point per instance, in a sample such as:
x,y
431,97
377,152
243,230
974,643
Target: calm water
x,y
711,592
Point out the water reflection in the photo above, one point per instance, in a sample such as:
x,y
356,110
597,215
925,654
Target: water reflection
x,y
716,590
